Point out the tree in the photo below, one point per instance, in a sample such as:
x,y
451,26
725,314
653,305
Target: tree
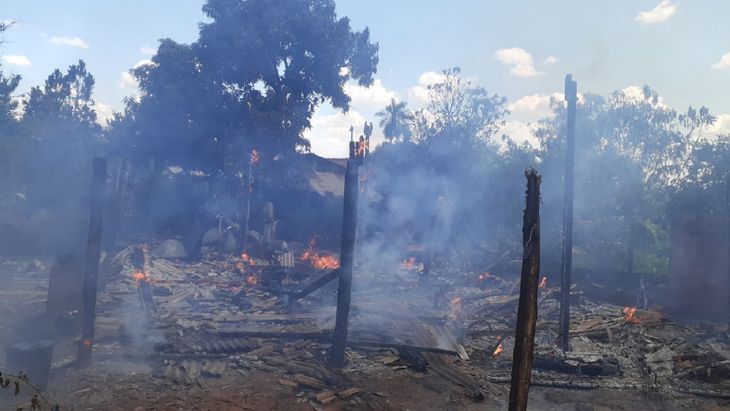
x,y
59,123
631,151
395,121
252,80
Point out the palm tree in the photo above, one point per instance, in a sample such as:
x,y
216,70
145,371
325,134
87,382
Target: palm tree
x,y
395,121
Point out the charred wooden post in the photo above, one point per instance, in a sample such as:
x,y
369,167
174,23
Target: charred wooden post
x,y
527,308
249,192
347,251
93,252
571,90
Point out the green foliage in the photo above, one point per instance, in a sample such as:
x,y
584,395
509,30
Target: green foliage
x,y
252,80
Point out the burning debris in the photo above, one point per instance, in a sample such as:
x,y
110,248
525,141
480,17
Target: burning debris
x,y
317,261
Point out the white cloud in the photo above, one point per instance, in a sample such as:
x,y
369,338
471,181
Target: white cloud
x,y
721,126
550,60
16,60
521,61
70,41
519,132
375,97
658,14
418,94
724,62
127,80
103,113
534,106
149,50
330,133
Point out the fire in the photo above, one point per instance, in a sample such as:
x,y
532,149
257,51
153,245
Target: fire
x,y
409,264
543,282
499,348
362,146
254,157
87,342
252,280
139,277
630,315
320,262
484,276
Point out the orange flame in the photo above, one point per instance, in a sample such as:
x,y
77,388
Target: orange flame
x,y
484,276
499,348
87,342
409,264
630,315
254,157
139,277
252,280
320,262
543,282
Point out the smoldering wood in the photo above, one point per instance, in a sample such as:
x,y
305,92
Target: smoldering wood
x,y
93,253
347,250
527,307
247,208
571,90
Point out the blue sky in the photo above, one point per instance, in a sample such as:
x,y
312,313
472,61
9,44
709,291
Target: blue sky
x,y
520,49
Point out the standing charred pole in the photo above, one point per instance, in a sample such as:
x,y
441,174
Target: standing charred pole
x,y
727,205
249,192
93,252
347,251
527,308
571,90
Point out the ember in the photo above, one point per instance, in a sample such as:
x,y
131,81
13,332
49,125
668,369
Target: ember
x,y
543,282
88,342
409,264
252,280
254,157
487,275
140,277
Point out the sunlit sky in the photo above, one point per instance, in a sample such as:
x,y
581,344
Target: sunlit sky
x,y
521,50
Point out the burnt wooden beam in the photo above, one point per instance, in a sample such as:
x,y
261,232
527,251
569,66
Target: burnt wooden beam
x,y
249,192
316,285
93,252
524,354
571,90
347,253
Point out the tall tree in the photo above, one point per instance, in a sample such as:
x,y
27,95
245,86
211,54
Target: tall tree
x,y
60,123
252,80
395,120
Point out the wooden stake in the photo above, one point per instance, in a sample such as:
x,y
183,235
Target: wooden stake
x,y
571,89
527,309
93,252
347,251
249,193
